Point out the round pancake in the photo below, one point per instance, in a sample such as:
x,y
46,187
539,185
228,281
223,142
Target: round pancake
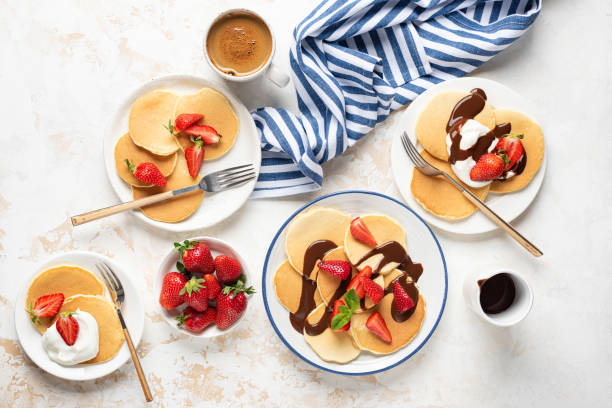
x,y
126,149
217,112
533,143
337,347
175,209
67,279
109,327
316,224
384,229
431,124
438,196
288,287
148,117
401,333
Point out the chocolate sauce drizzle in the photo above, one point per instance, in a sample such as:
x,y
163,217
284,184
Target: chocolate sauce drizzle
x,y
392,251
314,252
467,108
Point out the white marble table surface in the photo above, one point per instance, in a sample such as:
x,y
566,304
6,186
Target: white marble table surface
x,y
66,64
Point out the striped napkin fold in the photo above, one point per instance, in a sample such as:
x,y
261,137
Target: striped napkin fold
x,y
354,62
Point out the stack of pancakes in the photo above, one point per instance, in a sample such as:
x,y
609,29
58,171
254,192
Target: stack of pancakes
x,y
82,290
320,223
149,140
437,195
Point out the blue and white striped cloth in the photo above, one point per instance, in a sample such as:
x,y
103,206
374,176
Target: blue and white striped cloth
x,y
355,61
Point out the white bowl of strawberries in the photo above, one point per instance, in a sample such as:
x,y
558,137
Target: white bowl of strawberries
x,y
202,287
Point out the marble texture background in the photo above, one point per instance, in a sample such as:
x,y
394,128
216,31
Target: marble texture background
x,y
66,64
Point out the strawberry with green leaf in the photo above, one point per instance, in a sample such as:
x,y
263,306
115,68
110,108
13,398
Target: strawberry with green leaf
x,y
147,172
343,310
231,303
195,294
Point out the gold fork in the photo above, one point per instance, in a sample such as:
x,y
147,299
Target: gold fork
x,y
116,290
427,169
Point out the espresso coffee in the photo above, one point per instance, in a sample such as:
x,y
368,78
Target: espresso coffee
x,y
239,43
497,293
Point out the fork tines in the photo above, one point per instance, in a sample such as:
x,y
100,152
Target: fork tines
x,y
413,154
235,175
112,282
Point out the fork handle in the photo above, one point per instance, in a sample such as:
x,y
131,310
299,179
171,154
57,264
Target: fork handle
x,y
135,359
130,205
497,219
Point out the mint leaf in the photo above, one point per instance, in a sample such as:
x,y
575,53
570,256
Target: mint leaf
x,y
340,320
352,300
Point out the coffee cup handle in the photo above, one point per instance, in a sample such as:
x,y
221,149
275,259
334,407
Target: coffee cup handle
x,y
279,78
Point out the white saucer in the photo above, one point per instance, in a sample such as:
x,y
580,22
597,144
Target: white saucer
x,y
423,247
31,340
508,206
215,207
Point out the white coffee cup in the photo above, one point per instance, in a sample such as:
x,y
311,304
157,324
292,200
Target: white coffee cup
x,y
272,73
518,310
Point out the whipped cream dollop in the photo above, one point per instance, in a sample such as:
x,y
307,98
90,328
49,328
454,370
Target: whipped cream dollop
x,y
84,348
470,132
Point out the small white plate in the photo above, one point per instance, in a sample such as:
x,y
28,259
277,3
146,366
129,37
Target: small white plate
x,y
31,340
508,206
215,207
168,264
423,247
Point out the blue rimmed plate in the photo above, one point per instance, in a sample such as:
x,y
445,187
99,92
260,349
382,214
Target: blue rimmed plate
x,y
422,246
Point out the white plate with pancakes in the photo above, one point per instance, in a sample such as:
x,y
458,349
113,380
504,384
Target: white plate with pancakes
x,y
245,149
133,313
420,244
508,205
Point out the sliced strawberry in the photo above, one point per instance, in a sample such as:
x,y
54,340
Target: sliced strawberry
x,y
206,133
360,232
184,120
377,325
67,327
356,282
373,290
46,306
511,146
335,311
339,269
489,167
194,155
401,299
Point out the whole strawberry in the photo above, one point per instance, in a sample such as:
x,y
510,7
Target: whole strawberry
x,y
195,256
231,303
195,294
214,288
228,269
195,321
172,285
147,172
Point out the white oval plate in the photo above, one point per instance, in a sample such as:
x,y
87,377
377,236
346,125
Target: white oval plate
x,y
31,340
508,206
215,207
168,264
423,247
